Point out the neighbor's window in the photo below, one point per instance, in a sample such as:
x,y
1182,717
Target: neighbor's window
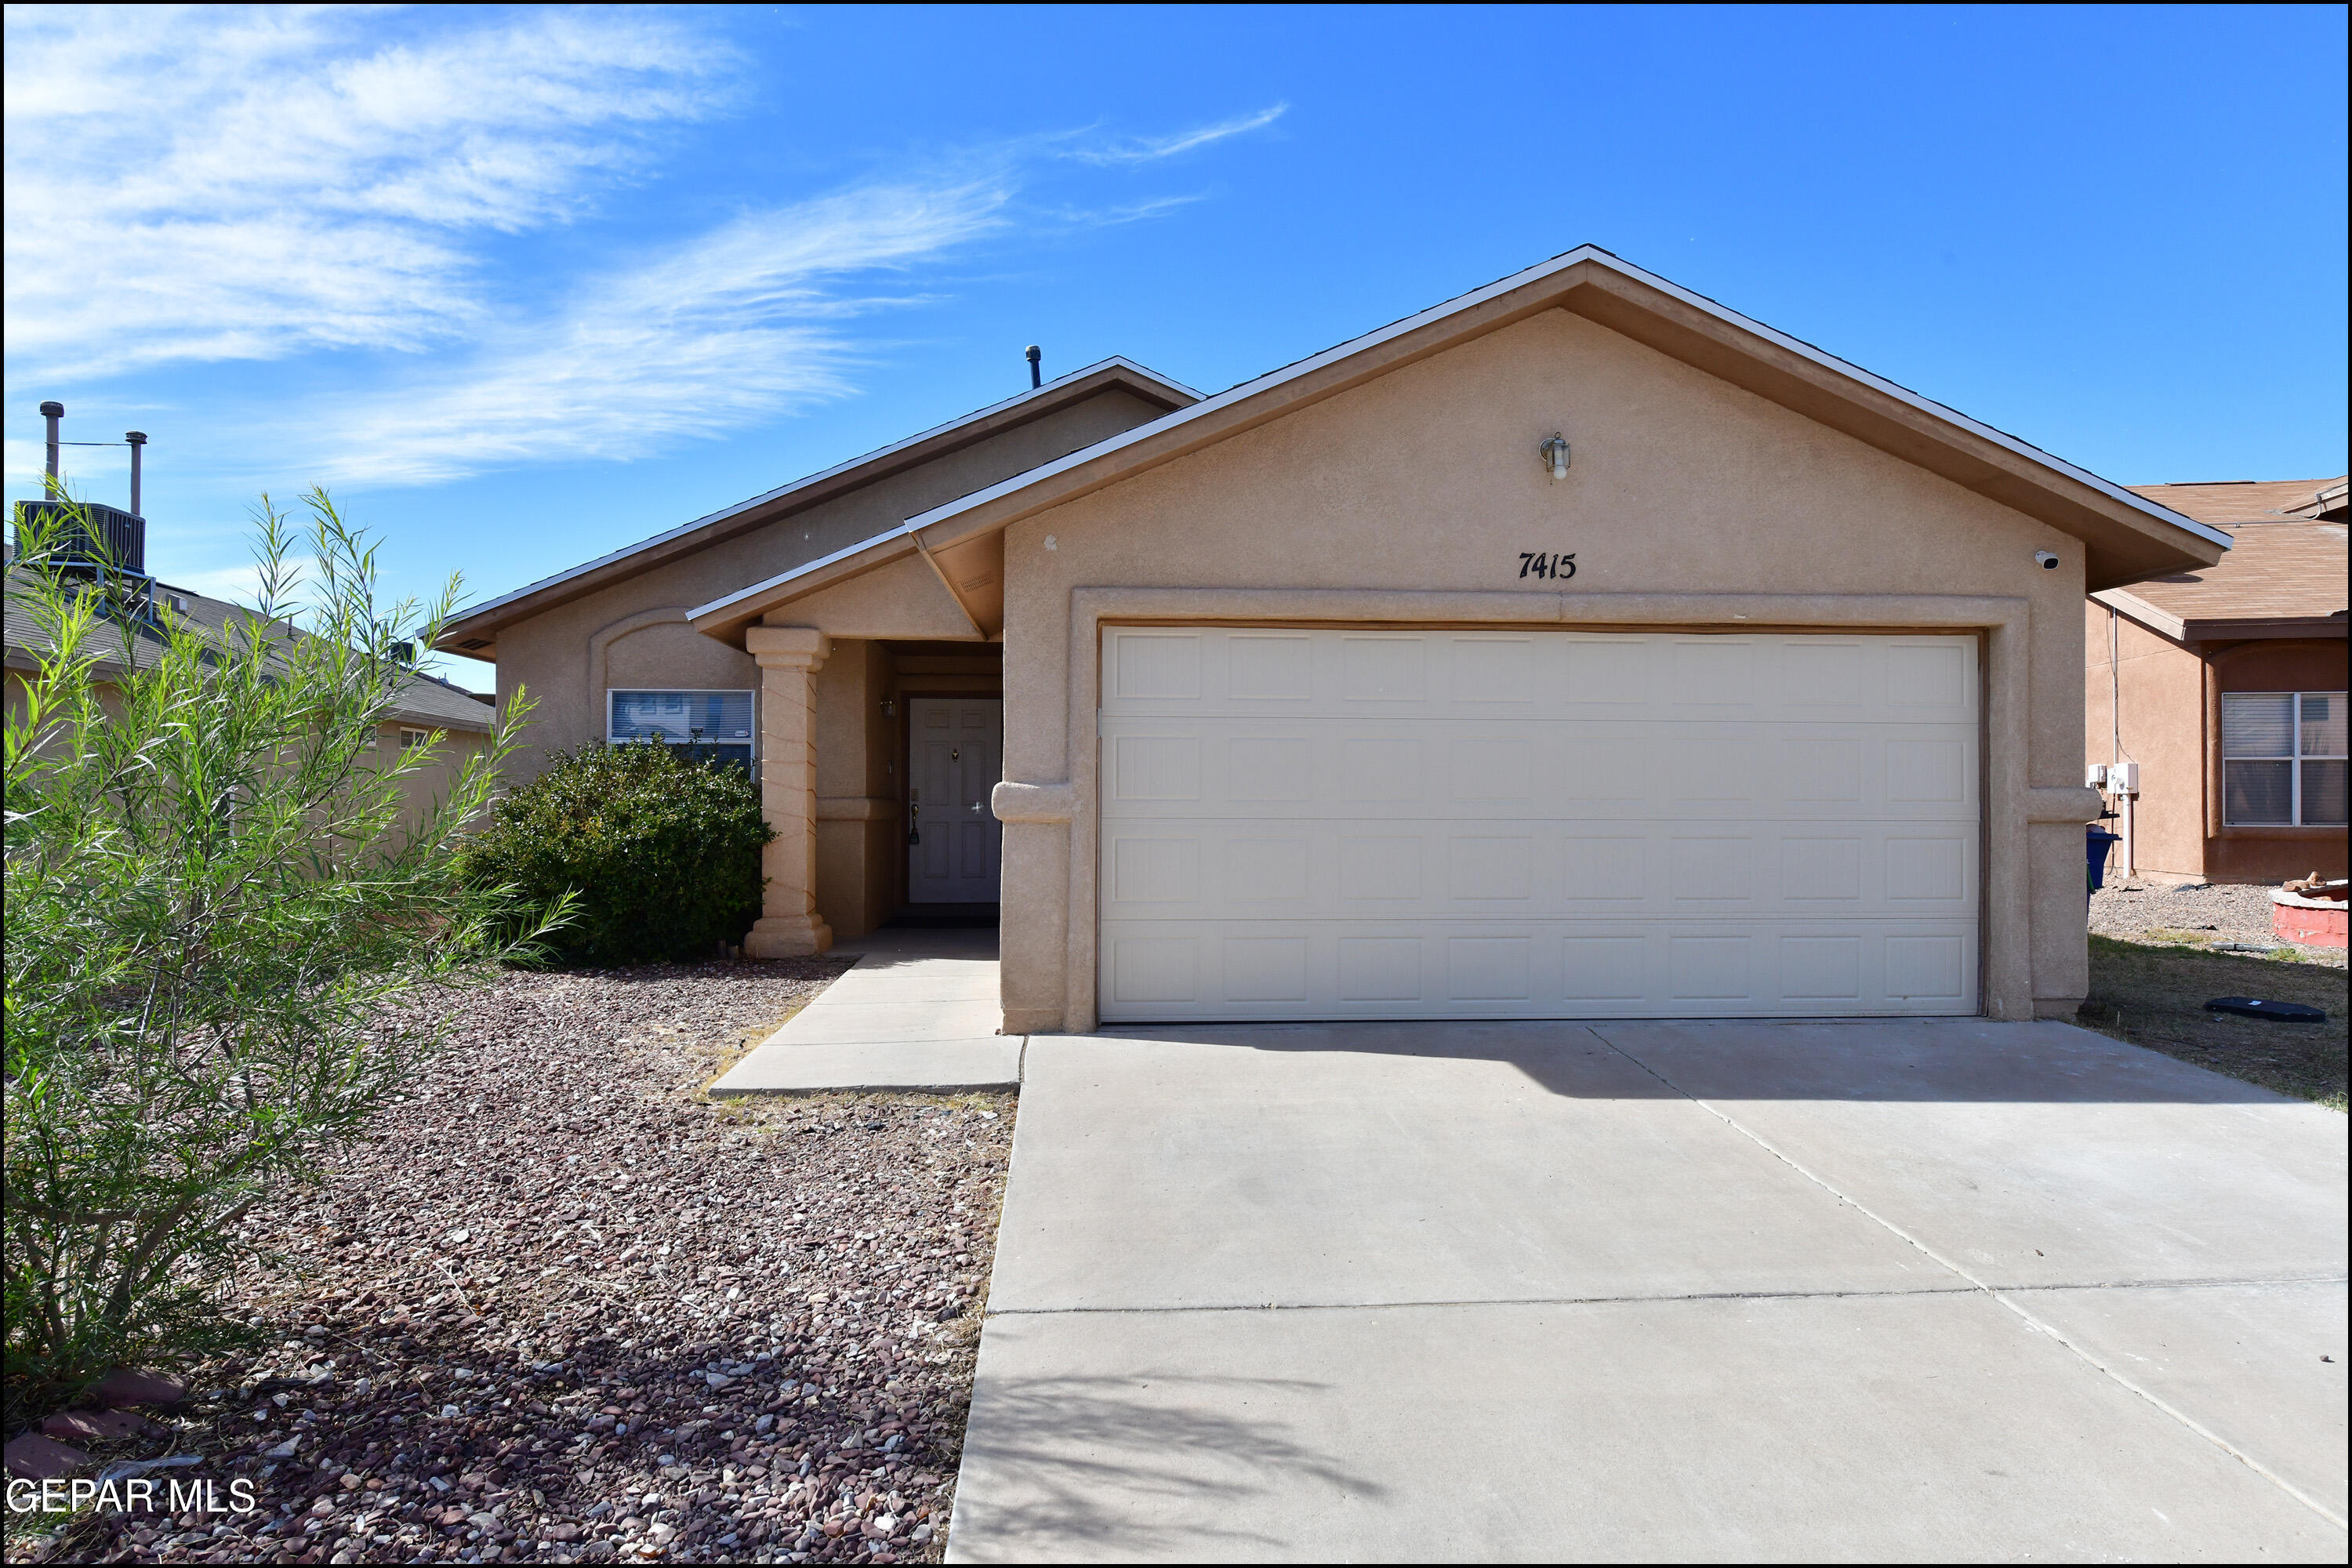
x,y
712,725
2283,759
415,740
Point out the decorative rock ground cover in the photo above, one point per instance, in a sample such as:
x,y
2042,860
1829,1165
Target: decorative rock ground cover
x,y
563,1308
2231,917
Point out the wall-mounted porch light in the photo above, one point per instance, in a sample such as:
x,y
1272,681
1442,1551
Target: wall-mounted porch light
x,y
1554,453
890,708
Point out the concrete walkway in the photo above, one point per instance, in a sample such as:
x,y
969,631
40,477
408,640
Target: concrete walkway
x,y
919,1011
1918,1290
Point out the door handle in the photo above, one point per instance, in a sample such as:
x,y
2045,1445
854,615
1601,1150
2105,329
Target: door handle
x,y
974,807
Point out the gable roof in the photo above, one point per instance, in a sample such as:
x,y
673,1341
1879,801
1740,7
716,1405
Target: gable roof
x,y
2225,503
2284,574
477,628
2283,579
2127,536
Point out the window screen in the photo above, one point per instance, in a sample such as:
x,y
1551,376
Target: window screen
x,y
2283,759
711,724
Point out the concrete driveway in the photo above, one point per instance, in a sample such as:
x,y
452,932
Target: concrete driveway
x,y
1945,1289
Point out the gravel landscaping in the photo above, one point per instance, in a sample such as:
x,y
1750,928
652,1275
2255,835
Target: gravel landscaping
x,y
562,1307
2207,916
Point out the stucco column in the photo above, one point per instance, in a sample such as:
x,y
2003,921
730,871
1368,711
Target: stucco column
x,y
789,658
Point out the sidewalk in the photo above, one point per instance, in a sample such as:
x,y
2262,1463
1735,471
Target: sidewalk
x,y
919,1011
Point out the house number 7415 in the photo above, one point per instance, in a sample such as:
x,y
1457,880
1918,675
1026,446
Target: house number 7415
x,y
1543,564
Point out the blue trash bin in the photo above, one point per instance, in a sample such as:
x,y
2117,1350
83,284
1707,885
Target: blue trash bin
x,y
2096,841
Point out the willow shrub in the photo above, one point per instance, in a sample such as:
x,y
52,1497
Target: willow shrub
x,y
224,951
659,851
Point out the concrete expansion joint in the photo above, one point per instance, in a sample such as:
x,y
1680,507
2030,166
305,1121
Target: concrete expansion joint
x,y
1417,1304
2005,1295
1656,1297
2202,1282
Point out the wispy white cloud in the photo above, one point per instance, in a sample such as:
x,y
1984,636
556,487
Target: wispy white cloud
x,y
734,326
1146,149
203,184
196,186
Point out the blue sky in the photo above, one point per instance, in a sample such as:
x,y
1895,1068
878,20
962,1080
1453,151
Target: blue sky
x,y
522,286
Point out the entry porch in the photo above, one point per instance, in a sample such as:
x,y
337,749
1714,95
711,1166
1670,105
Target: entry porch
x,y
875,765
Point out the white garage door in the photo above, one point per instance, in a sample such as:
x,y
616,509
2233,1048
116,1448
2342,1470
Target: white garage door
x,y
1541,824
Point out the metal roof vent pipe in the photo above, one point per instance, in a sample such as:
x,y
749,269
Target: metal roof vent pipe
x,y
53,412
137,440
1037,379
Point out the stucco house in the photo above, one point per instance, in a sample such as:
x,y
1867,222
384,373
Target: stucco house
x,y
2215,696
1576,648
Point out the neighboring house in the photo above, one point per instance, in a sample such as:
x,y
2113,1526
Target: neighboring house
x,y
427,705
1350,692
2215,696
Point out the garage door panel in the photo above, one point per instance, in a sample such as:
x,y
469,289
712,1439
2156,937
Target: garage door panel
x,y
1235,672
1595,769
1378,823
1649,969
1193,868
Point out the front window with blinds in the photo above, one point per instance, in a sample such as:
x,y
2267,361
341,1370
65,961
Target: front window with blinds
x,y
2283,759
712,726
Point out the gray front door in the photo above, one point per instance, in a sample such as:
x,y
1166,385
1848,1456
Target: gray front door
x,y
956,746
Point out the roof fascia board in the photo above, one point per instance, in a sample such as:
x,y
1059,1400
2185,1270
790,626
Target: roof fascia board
x,y
720,617
2219,629
2145,614
820,486
1904,394
2249,630
1209,408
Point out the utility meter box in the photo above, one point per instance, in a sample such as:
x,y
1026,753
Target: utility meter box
x,y
2124,777
2095,776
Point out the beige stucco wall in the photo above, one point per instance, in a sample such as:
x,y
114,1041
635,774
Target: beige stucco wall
x,y
1689,501
2168,692
632,633
429,785
2161,685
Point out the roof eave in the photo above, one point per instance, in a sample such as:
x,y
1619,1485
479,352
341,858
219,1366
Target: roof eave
x,y
725,619
2256,628
2219,629
485,621
2133,607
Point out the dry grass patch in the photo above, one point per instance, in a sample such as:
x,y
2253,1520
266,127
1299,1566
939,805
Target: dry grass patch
x,y
2153,993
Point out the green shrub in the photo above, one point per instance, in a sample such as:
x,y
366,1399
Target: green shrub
x,y
224,947
661,852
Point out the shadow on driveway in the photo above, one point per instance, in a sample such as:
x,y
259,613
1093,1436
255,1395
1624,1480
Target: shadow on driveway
x,y
1885,1060
1088,1462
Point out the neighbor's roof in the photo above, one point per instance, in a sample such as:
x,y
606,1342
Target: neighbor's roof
x,y
2125,536
424,700
2225,503
2284,577
479,627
